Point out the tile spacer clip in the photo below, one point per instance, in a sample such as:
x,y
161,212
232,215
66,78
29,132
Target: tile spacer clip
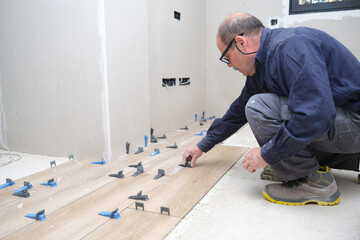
x,y
184,128
139,196
174,146
50,183
139,204
152,137
163,137
127,147
140,149
21,193
114,214
38,216
52,163
118,175
186,164
9,182
139,169
165,209
156,151
161,173
102,162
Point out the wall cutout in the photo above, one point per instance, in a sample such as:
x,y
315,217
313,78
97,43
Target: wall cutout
x,y
169,82
184,81
177,15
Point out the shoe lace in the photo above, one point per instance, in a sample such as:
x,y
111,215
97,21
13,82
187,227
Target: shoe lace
x,y
296,182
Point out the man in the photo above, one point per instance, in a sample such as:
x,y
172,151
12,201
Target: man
x,y
302,101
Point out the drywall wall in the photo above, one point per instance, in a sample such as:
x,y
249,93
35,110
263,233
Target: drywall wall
x,y
70,76
128,73
224,84
85,76
176,50
50,76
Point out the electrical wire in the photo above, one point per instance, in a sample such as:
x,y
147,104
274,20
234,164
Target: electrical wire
x,y
13,157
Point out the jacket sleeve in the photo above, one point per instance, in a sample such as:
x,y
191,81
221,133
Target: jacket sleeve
x,y
233,119
301,67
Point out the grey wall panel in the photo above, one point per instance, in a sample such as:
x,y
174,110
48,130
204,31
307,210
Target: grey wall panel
x,y
51,82
176,49
128,68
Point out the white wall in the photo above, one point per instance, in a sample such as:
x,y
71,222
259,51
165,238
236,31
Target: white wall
x,y
72,85
128,68
223,84
55,94
176,49
50,76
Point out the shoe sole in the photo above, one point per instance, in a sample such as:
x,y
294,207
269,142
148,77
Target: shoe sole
x,y
268,177
336,196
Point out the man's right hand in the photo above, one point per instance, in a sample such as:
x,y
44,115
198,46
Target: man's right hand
x,y
192,153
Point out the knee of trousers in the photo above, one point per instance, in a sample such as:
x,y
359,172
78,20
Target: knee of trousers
x,y
262,106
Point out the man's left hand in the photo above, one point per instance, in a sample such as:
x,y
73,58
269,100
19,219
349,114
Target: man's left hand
x,y
253,160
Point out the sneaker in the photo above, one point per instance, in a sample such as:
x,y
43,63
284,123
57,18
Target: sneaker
x,y
268,174
319,188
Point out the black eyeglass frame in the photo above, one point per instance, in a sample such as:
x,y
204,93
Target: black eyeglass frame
x,y
224,59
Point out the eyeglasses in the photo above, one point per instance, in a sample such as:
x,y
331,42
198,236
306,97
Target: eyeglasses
x,y
223,57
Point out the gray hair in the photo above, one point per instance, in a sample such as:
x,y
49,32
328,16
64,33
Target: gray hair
x,y
237,23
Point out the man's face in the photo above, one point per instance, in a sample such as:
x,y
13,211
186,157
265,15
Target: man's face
x,y
243,63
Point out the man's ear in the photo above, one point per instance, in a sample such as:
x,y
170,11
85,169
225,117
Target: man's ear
x,y
241,41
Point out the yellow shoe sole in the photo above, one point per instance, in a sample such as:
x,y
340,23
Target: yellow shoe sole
x,y
320,203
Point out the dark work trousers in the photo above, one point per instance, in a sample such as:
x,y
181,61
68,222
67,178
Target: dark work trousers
x,y
339,147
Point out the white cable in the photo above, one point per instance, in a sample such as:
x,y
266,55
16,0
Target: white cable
x,y
3,139
2,122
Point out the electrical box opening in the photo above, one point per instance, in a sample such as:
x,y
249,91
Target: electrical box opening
x,y
177,15
168,82
184,81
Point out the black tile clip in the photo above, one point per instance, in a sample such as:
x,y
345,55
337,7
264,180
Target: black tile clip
x,y
135,166
140,149
139,167
118,175
160,174
184,128
52,163
139,204
165,209
163,137
24,193
174,146
152,137
187,164
203,119
127,147
139,196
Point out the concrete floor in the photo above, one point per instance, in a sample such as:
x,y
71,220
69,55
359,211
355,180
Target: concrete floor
x,y
236,209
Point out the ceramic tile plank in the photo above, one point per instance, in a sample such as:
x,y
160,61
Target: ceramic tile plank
x,y
135,224
188,186
80,217
76,183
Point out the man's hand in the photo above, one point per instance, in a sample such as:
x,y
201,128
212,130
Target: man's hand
x,y
253,160
192,153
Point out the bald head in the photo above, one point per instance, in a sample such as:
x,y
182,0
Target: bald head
x,y
237,23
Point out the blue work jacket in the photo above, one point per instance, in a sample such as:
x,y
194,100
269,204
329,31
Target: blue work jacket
x,y
317,74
